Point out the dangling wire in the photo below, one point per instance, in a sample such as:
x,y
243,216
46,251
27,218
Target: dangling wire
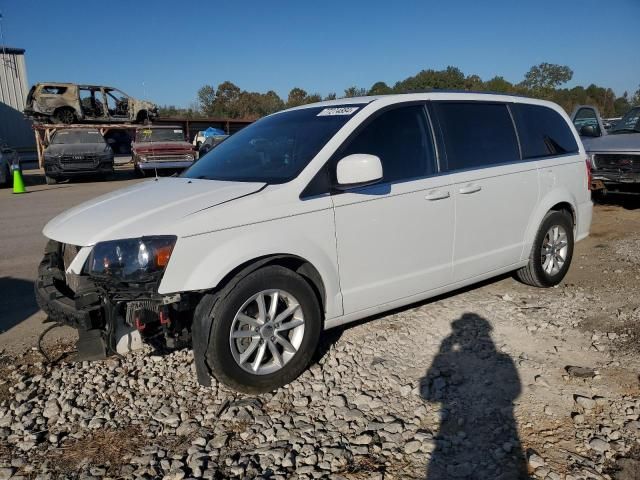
x,y
47,358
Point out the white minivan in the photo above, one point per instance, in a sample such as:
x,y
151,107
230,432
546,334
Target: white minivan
x,y
317,216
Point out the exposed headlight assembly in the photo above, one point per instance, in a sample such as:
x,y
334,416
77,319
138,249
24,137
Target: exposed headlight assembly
x,y
131,259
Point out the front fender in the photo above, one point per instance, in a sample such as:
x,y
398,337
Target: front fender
x,y
201,262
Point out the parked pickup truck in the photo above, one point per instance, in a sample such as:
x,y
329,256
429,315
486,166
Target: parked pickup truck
x,y
614,153
161,147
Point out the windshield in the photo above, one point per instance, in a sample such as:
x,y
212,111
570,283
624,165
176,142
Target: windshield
x,y
630,122
275,149
160,135
77,136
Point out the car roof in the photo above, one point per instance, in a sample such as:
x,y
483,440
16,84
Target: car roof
x,y
456,95
71,84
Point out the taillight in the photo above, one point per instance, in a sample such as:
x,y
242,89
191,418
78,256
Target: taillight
x,y
589,176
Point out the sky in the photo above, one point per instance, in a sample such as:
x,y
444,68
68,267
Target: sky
x,y
165,50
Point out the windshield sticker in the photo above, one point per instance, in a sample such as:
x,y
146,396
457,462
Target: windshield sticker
x,y
327,112
177,131
147,132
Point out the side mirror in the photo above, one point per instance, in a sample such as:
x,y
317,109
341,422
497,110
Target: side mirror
x,y
589,131
358,170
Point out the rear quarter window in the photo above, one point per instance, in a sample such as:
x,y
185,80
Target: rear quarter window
x,y
543,132
476,134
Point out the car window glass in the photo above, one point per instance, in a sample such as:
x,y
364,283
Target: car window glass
x,y
585,117
542,131
276,148
630,121
400,138
53,90
476,134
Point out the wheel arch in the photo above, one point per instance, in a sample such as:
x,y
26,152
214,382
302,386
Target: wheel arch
x,y
75,112
295,263
556,200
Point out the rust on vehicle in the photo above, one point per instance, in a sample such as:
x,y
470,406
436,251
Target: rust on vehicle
x,y
69,103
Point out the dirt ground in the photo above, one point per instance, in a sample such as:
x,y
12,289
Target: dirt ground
x,y
500,368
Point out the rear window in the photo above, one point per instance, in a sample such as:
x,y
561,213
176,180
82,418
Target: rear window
x,y
476,134
53,90
76,136
543,132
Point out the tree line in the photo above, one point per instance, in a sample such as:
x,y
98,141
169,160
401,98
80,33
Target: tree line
x,y
541,81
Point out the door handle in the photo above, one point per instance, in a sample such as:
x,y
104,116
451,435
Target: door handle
x,y
437,195
470,189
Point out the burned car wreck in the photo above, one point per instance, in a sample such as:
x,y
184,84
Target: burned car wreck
x,y
70,103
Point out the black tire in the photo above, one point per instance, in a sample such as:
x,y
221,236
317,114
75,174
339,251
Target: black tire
x,y
533,274
219,311
65,116
7,178
50,180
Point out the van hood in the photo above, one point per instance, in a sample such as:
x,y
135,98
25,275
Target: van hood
x,y
153,207
613,143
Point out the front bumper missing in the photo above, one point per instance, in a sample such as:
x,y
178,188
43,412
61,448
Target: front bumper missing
x,y
106,313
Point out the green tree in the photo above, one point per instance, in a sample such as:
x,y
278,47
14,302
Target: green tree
x,y
451,78
498,84
330,96
547,76
635,101
354,92
297,96
207,98
380,88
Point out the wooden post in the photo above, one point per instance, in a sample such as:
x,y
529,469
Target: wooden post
x,y
39,149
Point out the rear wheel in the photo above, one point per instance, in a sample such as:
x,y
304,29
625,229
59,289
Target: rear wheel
x,y
551,253
64,115
264,331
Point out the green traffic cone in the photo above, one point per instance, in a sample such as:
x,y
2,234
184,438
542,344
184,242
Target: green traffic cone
x,y
18,182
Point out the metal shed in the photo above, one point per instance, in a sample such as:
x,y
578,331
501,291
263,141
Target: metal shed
x,y
15,129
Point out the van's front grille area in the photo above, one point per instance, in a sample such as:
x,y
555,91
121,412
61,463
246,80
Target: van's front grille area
x,y
617,162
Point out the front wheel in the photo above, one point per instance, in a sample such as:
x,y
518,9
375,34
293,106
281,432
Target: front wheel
x,y
264,330
551,253
50,180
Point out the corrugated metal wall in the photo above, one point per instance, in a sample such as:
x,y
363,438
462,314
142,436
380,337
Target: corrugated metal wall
x,y
14,128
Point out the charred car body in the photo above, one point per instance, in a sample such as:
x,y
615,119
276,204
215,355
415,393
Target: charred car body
x,y
614,153
71,103
77,152
161,147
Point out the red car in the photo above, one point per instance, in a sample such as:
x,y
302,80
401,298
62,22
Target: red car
x,y
161,147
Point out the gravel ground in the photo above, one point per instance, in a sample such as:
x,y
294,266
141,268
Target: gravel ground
x,y
500,381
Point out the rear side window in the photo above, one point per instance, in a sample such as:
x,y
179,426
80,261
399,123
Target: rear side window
x,y
543,132
400,138
476,134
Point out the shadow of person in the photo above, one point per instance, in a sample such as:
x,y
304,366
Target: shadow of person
x,y
476,387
